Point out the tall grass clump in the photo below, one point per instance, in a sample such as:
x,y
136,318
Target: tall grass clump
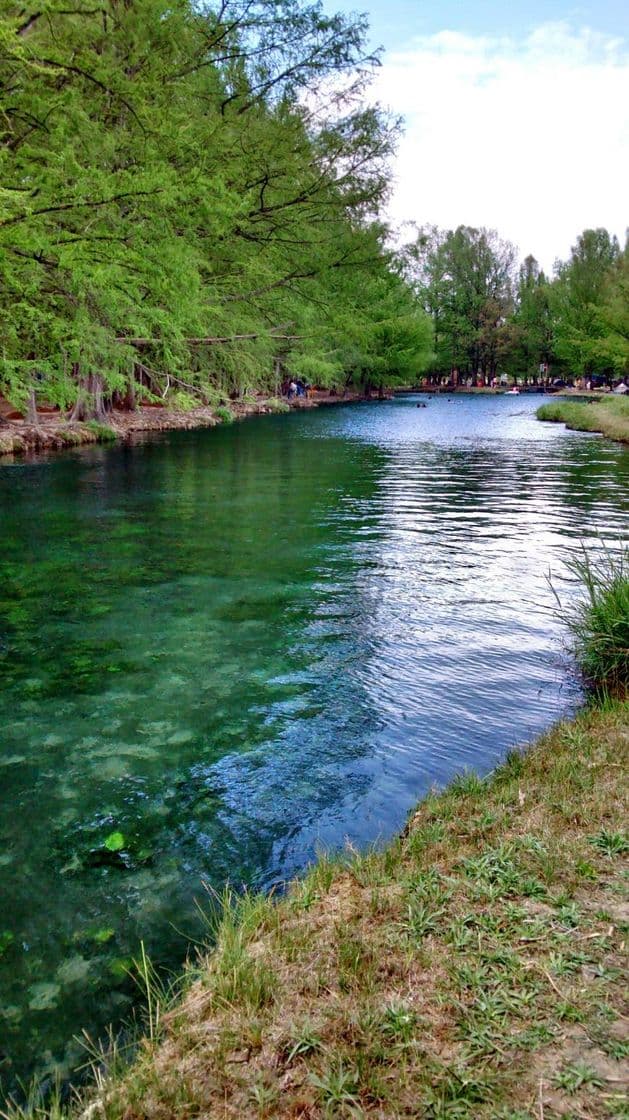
x,y
573,413
276,404
599,620
103,433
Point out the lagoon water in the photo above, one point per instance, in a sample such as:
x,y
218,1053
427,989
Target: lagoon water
x,y
236,647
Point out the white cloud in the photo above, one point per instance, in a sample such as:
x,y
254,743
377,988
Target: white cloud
x,y
529,137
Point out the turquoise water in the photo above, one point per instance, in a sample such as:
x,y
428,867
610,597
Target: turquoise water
x,y
231,648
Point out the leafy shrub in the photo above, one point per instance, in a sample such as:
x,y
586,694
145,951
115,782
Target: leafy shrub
x,y
183,401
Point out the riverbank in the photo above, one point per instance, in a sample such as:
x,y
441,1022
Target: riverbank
x,y
54,432
472,969
608,415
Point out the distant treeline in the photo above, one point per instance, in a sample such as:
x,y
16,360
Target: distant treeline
x,y
491,317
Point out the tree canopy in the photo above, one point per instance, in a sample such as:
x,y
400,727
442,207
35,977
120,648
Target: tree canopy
x,y
191,196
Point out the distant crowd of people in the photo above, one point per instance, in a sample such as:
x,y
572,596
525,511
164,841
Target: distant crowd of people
x,y
543,381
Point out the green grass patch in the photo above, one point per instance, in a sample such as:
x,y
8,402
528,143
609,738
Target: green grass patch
x,y
276,404
609,415
103,433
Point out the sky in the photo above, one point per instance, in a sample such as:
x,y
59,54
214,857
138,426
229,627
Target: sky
x,y
516,116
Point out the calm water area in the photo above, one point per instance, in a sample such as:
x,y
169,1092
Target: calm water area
x,y
222,651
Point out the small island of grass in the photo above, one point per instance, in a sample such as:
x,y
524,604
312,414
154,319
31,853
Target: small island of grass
x,y
608,415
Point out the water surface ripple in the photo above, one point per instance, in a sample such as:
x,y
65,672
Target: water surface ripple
x,y
235,646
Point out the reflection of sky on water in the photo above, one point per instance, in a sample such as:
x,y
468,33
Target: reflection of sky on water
x,y
236,646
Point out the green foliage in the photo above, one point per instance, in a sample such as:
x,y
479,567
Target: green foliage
x,y
465,280
531,325
102,936
599,620
584,284
275,404
182,202
304,1040
485,321
224,414
609,415
6,939
577,1076
337,1088
103,433
183,401
611,843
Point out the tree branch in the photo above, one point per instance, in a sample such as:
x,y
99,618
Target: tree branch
x,y
139,343
78,205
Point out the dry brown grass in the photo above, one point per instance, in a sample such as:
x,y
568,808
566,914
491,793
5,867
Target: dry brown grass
x,y
474,969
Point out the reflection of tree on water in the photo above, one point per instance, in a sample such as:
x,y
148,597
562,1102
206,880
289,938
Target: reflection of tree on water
x,y
595,472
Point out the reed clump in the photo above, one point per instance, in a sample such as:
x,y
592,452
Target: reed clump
x,y
598,621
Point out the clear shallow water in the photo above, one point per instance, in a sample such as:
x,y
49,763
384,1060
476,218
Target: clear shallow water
x,y
237,646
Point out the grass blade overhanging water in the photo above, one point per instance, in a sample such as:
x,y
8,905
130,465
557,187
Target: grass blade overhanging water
x,y
598,619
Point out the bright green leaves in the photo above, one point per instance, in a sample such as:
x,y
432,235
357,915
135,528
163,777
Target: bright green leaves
x,y
465,281
163,180
115,842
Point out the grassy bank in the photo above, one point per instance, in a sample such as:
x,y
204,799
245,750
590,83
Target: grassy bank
x,y
473,969
609,415
22,439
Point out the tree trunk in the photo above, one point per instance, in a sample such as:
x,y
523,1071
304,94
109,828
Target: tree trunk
x,y
130,400
31,411
90,404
